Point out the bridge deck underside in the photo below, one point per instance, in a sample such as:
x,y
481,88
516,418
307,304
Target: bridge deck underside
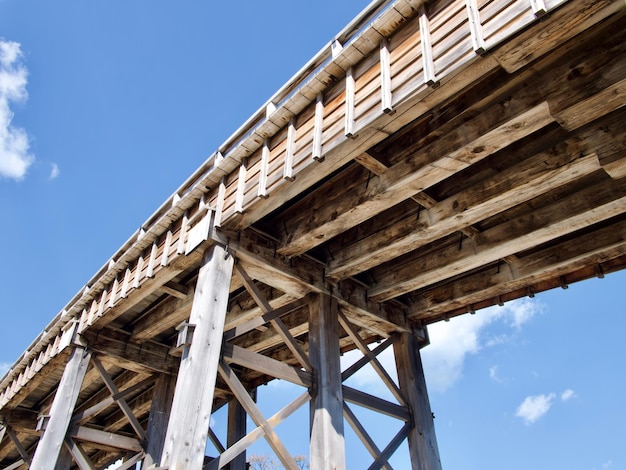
x,y
501,180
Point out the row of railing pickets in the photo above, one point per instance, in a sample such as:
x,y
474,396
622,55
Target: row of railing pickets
x,y
164,237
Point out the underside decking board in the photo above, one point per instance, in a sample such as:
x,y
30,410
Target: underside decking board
x,y
483,158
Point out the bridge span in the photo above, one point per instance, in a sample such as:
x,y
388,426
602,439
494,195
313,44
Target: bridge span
x,y
434,159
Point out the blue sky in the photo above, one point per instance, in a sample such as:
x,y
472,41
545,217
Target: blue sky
x,y
107,107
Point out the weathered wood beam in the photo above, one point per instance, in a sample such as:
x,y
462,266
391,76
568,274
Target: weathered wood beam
x,y
352,395
565,23
462,146
108,439
18,445
236,449
62,408
266,365
592,248
591,205
158,418
362,434
508,188
236,430
79,455
193,399
422,439
248,404
301,276
277,323
327,443
119,399
149,356
372,359
86,414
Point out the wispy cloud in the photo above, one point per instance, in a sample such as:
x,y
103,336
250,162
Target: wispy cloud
x,y
54,171
493,374
15,158
568,394
534,407
4,367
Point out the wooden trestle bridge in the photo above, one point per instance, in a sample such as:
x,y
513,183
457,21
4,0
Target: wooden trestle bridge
x,y
434,159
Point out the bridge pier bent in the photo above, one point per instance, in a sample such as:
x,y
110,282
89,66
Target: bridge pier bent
x,y
434,159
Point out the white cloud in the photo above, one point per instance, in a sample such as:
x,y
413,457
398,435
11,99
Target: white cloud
x,y
54,171
451,342
493,374
4,367
607,464
567,394
15,158
534,407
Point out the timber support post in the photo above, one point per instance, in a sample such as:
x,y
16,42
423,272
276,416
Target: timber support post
x,y
51,442
158,419
422,440
188,426
327,446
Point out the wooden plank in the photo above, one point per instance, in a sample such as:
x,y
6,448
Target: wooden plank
x,y
191,409
241,186
373,403
61,410
565,23
79,455
96,436
427,48
18,445
591,205
266,365
520,183
422,440
327,445
237,448
595,247
471,142
248,404
385,77
349,124
585,111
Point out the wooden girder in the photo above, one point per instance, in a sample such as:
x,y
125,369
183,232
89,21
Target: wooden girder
x,y
525,277
589,206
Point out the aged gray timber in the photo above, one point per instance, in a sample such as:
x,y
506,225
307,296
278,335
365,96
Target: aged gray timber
x,y
433,159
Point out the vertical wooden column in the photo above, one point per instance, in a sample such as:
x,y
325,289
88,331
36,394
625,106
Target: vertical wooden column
x,y
51,442
158,419
422,440
236,430
327,437
191,409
